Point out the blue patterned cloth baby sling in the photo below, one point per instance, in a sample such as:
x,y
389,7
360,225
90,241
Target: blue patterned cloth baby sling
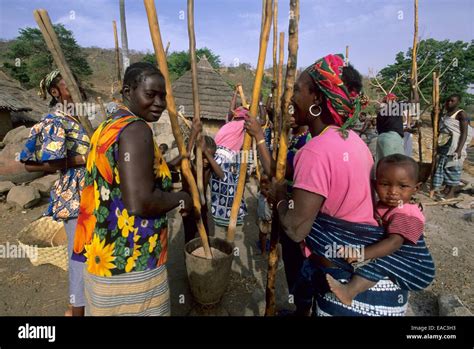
x,y
411,267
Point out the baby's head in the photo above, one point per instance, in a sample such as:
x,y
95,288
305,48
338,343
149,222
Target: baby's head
x,y
264,184
163,148
212,147
396,179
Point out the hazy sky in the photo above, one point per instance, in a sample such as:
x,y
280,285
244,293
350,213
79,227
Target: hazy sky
x,y
375,29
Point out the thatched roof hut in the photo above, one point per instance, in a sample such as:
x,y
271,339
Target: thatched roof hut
x,y
15,98
215,94
15,101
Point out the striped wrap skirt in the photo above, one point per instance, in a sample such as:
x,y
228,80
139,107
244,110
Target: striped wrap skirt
x,y
142,293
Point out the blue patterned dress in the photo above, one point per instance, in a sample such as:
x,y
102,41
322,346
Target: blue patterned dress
x,y
58,137
223,190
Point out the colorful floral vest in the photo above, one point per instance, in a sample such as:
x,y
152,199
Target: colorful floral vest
x,y
109,239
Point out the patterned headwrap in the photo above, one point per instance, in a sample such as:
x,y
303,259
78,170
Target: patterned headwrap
x,y
45,84
390,97
344,105
240,113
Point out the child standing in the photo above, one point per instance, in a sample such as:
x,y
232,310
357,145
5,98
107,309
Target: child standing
x,y
402,255
209,166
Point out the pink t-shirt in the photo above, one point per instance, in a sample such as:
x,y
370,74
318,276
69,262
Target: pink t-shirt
x,y
231,135
338,169
406,220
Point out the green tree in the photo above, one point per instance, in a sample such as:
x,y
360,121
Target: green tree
x,y
455,60
179,61
30,59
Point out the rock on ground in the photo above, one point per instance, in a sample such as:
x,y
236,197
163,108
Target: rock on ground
x,y
18,134
11,169
24,196
451,305
469,216
44,184
5,186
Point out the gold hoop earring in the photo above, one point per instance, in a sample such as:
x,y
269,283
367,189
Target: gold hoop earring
x,y
318,113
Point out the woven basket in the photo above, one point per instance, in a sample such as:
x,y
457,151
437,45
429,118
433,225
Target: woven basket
x,y
45,241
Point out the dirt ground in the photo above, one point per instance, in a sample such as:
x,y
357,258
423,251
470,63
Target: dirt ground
x,y
450,239
42,290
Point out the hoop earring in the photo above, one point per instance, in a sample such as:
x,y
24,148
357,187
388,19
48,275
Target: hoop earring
x,y
311,110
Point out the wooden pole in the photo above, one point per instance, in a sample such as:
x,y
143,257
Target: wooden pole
x,y
275,62
414,96
196,105
435,127
276,118
262,22
347,55
254,145
167,48
52,42
275,39
184,120
414,74
242,96
117,52
253,113
420,145
280,70
277,114
171,106
255,159
123,30
270,307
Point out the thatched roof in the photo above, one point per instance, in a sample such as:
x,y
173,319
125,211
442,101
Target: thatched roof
x,y
214,93
14,98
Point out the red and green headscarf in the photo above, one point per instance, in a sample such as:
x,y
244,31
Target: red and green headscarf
x,y
390,97
344,105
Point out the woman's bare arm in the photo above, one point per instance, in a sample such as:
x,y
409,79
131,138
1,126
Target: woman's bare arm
x,y
254,129
233,102
384,247
135,163
297,215
55,165
463,126
214,165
